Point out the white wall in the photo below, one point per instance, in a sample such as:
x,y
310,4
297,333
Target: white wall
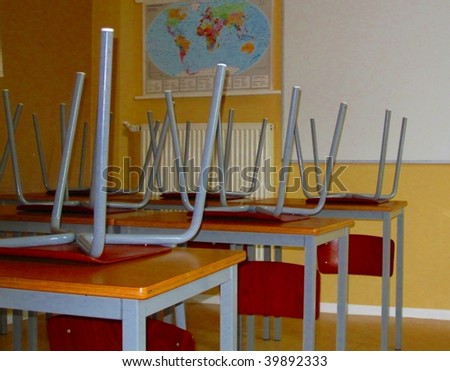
x,y
374,55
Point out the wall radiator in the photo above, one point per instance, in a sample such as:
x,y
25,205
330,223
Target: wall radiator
x,y
245,139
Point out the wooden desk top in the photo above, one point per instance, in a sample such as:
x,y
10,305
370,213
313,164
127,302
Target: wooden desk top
x,y
291,202
140,278
180,220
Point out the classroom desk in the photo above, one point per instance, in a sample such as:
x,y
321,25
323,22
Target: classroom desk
x,y
385,212
15,222
110,291
307,233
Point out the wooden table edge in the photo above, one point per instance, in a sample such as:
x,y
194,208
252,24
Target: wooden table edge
x,y
122,292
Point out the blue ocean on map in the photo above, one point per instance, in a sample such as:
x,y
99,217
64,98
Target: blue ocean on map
x,y
185,38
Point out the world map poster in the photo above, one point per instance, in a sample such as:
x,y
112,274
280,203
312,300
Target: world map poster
x,y
184,41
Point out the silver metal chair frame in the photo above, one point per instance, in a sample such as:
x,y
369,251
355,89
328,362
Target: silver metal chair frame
x,y
43,166
93,243
378,195
7,151
292,137
67,148
57,236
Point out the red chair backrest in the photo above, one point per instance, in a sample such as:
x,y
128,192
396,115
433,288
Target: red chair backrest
x,y
365,256
73,333
269,288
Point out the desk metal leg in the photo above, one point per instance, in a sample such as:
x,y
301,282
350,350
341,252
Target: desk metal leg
x,y
228,312
180,315
309,301
385,283
399,282
342,305
133,326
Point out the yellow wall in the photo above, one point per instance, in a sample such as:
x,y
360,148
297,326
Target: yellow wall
x,y
44,44
42,50
427,223
125,16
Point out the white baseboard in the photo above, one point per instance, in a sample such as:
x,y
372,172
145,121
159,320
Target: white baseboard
x,y
374,310
9,316
362,310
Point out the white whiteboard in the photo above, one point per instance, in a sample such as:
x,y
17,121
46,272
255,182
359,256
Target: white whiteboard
x,y
373,55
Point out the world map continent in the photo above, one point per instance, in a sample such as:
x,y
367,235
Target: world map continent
x,y
188,37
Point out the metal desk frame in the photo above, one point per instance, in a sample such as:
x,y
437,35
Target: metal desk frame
x,y
386,216
309,243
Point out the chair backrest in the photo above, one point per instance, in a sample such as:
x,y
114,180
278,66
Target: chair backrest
x,y
365,256
73,333
269,288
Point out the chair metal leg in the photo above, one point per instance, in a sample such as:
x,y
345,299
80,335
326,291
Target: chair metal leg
x,y
32,330
240,336
3,321
17,329
277,328
250,333
266,320
168,315
277,320
266,328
